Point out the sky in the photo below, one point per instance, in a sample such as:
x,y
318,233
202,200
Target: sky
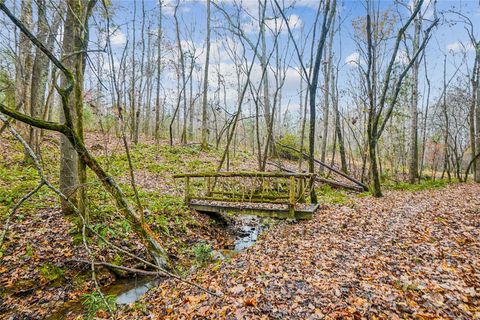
x,y
449,37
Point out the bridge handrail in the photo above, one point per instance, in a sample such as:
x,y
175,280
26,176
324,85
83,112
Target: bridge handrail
x,y
257,174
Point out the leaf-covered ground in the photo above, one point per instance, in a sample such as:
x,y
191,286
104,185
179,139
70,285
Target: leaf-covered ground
x,y
407,255
36,276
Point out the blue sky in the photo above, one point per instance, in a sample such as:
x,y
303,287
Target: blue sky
x,y
447,38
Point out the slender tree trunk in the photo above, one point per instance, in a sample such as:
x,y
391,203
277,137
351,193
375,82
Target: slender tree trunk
x,y
133,87
23,65
158,125
68,155
413,157
139,107
149,74
327,71
329,12
338,127
38,78
446,156
477,113
205,83
266,92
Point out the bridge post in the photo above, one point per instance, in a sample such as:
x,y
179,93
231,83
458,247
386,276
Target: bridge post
x,y
291,200
187,190
209,186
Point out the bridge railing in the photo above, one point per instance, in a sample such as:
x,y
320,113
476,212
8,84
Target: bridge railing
x,y
251,187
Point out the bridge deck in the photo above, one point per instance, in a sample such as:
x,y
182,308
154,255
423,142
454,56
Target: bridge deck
x,y
304,211
271,194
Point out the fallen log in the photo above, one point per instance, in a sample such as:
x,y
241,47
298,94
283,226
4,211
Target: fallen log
x,y
363,186
332,183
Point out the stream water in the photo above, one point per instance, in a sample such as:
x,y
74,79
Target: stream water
x,y
247,229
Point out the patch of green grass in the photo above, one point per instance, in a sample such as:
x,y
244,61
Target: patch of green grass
x,y
422,185
327,194
203,253
93,302
52,273
160,222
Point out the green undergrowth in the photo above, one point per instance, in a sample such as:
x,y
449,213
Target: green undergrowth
x,y
328,195
17,178
165,212
427,184
161,159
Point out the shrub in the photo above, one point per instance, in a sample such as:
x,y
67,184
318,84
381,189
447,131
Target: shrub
x,y
93,302
203,253
288,140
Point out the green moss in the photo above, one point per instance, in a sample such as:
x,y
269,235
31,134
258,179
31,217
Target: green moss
x,y
292,141
52,273
422,185
327,194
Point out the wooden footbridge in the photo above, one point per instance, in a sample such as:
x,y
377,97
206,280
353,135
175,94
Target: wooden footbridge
x,y
272,194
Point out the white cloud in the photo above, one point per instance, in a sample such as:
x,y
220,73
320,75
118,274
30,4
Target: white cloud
x,y
402,57
459,47
353,59
294,22
118,38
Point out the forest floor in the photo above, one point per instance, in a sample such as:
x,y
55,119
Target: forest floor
x,y
38,267
407,255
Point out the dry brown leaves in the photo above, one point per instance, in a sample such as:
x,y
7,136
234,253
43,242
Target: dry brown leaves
x,y
407,255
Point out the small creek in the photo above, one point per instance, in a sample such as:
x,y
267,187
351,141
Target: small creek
x,y
246,230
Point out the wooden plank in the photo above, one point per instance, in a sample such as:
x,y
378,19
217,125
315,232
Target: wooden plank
x,y
247,174
251,195
281,213
238,200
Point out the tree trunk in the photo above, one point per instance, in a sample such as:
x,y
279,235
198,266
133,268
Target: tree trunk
x,y
326,23
23,64
327,71
477,112
133,80
338,127
205,83
266,93
68,155
413,157
38,78
158,125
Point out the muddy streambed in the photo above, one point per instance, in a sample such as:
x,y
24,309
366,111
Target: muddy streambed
x,y
245,230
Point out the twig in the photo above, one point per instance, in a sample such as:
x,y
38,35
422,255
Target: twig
x,y
123,268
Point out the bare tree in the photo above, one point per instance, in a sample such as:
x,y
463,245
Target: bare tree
x,y
379,110
205,81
